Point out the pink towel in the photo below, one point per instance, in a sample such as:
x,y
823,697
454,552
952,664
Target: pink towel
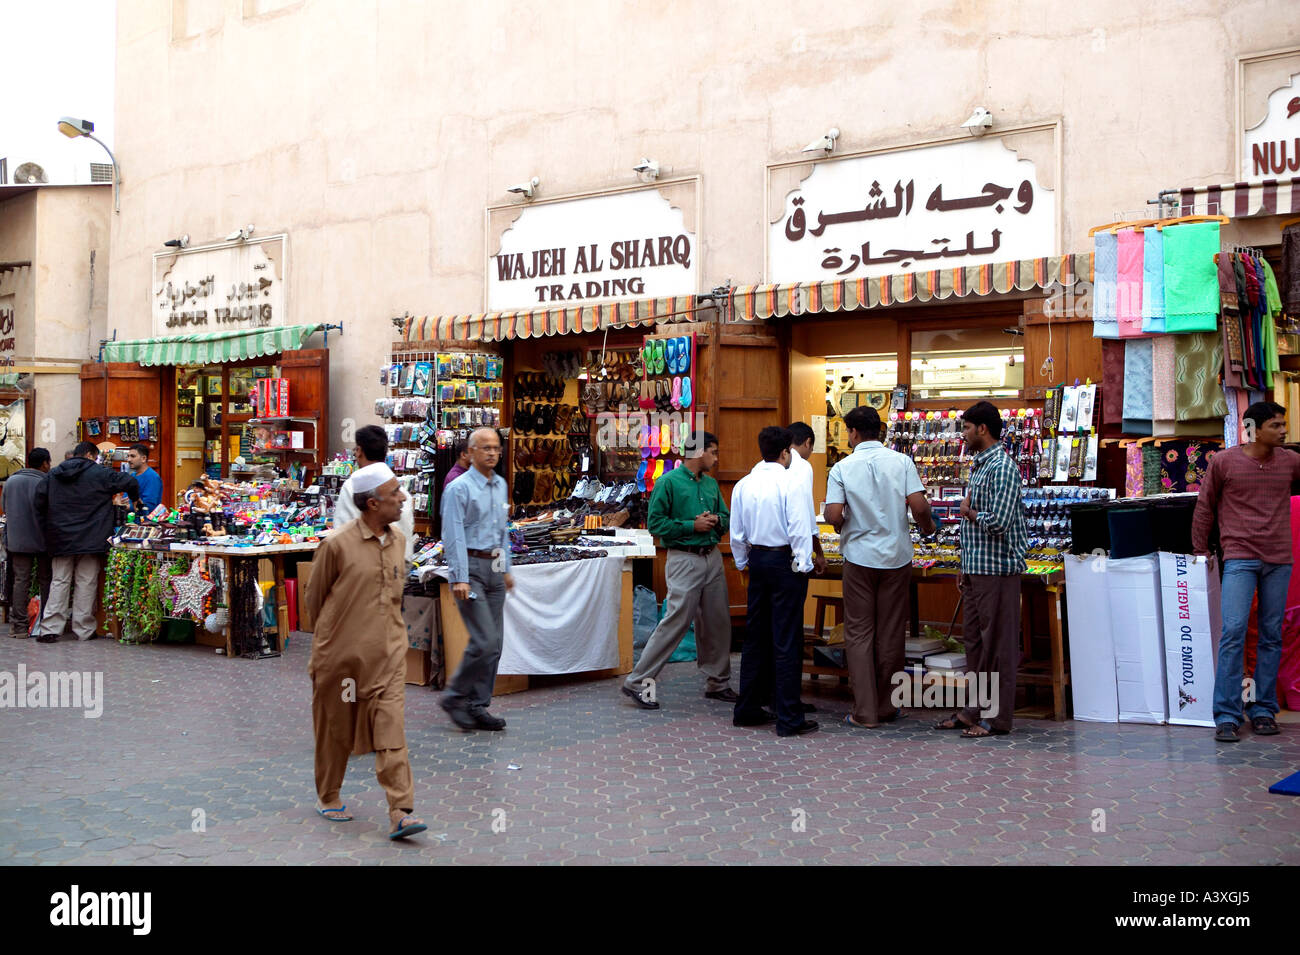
x,y
1128,297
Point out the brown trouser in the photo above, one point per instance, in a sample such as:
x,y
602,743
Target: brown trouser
x,y
876,608
991,632
392,769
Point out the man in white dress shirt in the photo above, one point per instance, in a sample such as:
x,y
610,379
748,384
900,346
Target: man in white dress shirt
x,y
868,495
771,537
801,472
372,448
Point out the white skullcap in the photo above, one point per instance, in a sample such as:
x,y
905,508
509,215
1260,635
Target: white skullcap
x,y
371,477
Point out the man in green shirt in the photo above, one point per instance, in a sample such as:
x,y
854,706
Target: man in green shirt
x,y
689,517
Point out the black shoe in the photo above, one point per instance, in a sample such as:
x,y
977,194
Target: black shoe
x,y
762,720
807,708
1264,726
727,695
48,638
641,701
1226,733
808,726
459,714
486,721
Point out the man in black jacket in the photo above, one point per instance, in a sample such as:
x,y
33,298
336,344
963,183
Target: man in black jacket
x,y
25,538
76,507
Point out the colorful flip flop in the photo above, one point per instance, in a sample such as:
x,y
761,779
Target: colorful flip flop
x,y
402,831
640,476
670,355
686,396
677,393
665,438
659,356
330,814
647,442
659,469
684,355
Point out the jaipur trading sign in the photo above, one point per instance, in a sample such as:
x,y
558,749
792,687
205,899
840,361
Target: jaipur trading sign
x,y
218,288
617,247
912,210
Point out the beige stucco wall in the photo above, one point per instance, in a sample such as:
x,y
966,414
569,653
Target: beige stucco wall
x,y
375,133
61,301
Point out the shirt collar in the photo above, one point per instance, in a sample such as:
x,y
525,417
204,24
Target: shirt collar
x,y
867,446
767,466
987,454
479,479
367,533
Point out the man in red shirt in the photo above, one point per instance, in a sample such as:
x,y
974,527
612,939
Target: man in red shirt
x,y
1247,491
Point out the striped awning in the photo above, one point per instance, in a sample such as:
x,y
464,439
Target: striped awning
x,y
756,302
498,326
209,347
1258,197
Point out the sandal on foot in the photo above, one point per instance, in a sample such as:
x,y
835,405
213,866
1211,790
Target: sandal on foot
x,y
1264,726
981,730
953,722
1226,733
403,829
850,721
335,815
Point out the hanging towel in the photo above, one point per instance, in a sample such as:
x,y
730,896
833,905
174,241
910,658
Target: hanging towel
x,y
1105,321
1163,404
1133,471
1128,287
1137,379
1290,278
1271,290
1153,281
1112,382
1151,471
1231,421
1191,279
1197,361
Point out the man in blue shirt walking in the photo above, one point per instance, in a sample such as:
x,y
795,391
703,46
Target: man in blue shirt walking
x,y
151,485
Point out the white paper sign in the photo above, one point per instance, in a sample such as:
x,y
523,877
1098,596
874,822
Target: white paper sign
x,y
932,207
628,245
818,424
1272,148
220,288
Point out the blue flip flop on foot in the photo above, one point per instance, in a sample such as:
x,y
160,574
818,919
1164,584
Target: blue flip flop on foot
x,y
331,814
402,831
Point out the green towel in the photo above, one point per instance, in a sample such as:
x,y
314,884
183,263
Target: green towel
x,y
1191,277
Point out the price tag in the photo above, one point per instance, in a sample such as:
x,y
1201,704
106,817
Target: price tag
x,y
586,461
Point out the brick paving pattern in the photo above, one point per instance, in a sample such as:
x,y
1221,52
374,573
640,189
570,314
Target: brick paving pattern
x,y
599,781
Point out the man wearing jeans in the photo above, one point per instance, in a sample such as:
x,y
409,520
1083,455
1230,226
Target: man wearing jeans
x,y
75,503
26,537
771,535
476,539
1247,491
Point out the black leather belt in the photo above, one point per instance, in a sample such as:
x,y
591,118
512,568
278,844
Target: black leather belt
x,y
481,554
784,549
700,551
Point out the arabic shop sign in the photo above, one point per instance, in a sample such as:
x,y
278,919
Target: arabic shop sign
x,y
1272,147
219,288
8,336
628,245
912,210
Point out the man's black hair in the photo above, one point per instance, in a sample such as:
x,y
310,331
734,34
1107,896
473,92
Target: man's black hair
x,y
36,457
1262,411
773,440
141,449
865,421
83,449
373,442
800,432
984,413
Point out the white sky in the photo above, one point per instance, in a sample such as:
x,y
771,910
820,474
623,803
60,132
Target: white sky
x,y
57,60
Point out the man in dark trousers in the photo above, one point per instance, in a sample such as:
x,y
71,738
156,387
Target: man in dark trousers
x,y
1247,490
771,536
75,504
993,544
25,536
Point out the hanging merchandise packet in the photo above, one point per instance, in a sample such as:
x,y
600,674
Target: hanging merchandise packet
x,y
1191,277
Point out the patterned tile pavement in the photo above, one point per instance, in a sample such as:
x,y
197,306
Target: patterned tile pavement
x,y
582,776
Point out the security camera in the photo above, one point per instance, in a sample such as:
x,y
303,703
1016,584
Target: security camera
x,y
526,189
181,243
648,168
239,235
825,144
979,121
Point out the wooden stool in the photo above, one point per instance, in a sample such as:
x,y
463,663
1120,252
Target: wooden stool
x,y
819,633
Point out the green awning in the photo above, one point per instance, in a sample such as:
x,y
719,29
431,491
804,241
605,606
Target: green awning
x,y
209,347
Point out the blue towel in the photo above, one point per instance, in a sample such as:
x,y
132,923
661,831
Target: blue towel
x,y
1139,396
1287,787
1153,281
1105,314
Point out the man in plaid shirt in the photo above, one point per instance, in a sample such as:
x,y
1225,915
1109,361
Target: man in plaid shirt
x,y
993,544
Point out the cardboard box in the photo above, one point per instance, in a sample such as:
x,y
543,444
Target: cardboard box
x,y
1092,645
1189,590
306,621
1137,624
419,667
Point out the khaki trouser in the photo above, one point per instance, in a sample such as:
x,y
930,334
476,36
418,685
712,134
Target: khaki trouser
x,y
876,605
75,580
697,591
392,769
991,633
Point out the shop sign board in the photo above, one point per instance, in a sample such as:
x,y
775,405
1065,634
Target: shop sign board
x,y
1190,599
8,333
911,210
1271,148
608,248
220,288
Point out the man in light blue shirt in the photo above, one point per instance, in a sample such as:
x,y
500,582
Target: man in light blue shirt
x,y
151,485
476,540
868,495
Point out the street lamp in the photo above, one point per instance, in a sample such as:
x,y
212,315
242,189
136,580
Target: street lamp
x,y
73,128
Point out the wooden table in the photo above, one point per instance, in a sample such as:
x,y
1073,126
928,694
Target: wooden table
x,y
1050,672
